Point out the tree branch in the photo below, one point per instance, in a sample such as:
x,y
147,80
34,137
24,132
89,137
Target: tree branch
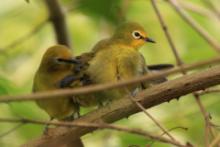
x,y
198,9
100,87
166,32
58,20
123,107
156,122
196,26
180,63
135,131
209,91
215,141
212,7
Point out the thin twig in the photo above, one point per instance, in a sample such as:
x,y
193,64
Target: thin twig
x,y
24,37
175,128
212,7
206,119
93,125
149,115
209,91
198,28
167,34
180,63
197,9
11,130
171,129
100,87
215,141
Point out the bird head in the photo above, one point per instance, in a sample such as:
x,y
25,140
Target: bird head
x,y
131,34
57,58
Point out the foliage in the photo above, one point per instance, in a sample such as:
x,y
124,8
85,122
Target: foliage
x,y
88,22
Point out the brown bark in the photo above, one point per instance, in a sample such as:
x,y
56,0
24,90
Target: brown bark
x,y
57,17
123,107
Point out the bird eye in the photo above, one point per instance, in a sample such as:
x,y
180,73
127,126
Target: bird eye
x,y
136,34
67,61
58,60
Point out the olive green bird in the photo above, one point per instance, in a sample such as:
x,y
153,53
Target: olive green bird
x,y
56,64
115,58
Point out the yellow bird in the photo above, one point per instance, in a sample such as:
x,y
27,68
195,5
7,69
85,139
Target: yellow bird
x,y
113,59
55,65
116,58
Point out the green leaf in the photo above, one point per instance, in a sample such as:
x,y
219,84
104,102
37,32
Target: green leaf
x,y
109,10
5,86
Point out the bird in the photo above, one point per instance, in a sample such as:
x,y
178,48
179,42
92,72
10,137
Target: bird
x,y
56,63
54,66
115,58
78,77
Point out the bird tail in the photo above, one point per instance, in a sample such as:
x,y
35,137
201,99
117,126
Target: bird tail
x,y
159,67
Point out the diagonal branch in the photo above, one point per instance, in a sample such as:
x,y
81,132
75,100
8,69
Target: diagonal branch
x,y
123,107
11,130
198,9
166,32
131,97
200,30
25,37
180,63
212,7
58,20
215,141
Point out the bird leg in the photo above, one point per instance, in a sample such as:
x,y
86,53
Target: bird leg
x,y
47,127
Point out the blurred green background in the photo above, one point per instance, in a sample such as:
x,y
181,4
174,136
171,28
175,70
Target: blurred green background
x,y
88,22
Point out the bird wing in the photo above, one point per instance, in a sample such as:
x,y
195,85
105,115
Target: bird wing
x,y
78,76
152,69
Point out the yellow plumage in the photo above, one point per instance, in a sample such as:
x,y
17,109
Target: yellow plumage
x,y
48,77
116,58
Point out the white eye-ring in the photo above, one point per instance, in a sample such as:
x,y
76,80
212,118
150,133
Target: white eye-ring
x,y
136,35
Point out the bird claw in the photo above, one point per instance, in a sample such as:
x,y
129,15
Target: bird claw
x,y
72,117
135,92
104,103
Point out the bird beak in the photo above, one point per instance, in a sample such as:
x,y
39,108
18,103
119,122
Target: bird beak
x,y
70,61
149,40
